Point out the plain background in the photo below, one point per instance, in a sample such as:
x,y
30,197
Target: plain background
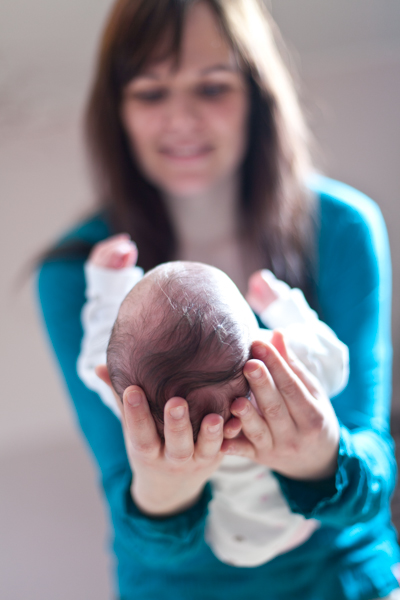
x,y
53,531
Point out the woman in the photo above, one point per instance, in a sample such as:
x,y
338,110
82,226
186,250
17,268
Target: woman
x,y
200,152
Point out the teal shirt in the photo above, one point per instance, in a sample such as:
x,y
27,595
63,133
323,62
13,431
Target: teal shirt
x,y
353,554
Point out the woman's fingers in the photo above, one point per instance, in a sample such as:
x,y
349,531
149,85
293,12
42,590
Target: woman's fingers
x,y
178,432
294,393
254,427
240,446
140,429
278,341
269,400
210,437
232,428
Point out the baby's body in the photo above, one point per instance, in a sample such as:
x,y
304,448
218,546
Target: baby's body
x,y
249,520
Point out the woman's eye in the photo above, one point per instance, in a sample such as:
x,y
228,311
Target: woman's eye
x,y
151,95
213,91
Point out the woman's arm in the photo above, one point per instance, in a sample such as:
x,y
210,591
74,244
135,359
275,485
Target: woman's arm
x,y
354,294
151,541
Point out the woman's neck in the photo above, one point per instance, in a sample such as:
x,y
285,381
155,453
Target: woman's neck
x,y
207,218
206,226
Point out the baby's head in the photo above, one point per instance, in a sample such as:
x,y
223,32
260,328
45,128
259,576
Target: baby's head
x,y
184,330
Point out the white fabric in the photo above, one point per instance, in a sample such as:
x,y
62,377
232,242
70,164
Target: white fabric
x,y
105,291
249,520
313,342
395,595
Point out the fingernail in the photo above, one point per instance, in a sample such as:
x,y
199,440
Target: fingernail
x,y
177,412
244,410
134,399
214,428
256,373
259,350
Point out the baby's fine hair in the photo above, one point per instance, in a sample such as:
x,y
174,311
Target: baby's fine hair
x,y
178,338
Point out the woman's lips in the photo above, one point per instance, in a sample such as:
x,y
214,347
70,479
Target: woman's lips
x,y
186,153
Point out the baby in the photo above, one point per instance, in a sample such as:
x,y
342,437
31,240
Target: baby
x,y
184,329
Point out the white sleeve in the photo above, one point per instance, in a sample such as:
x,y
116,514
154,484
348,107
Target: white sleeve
x,y
105,291
313,342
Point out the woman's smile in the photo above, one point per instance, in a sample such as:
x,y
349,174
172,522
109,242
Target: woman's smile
x,y
186,153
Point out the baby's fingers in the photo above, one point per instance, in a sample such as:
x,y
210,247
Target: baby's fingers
x,y
120,254
115,252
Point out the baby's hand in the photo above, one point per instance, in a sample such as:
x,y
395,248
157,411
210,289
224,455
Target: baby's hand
x,y
116,252
263,289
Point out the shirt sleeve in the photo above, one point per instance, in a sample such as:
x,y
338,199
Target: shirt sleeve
x,y
154,542
355,298
311,340
105,291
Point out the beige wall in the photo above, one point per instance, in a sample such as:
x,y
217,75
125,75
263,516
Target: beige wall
x,y
348,54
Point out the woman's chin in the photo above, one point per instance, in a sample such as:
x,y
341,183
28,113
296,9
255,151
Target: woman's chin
x,y
187,186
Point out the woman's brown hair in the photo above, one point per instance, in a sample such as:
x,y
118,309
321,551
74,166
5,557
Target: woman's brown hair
x,y
275,206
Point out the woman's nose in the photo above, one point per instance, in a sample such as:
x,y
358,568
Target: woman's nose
x,y
182,113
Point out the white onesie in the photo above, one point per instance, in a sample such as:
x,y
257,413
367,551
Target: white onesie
x,y
249,520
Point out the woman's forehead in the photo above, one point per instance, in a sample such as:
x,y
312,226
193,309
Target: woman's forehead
x,y
157,71
204,48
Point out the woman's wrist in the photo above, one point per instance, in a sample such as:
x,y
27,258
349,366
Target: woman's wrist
x,y
165,501
315,473
168,477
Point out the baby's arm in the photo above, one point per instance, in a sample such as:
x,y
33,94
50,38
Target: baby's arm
x,y
314,343
110,274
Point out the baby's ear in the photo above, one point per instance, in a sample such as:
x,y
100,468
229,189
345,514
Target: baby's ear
x,y
102,372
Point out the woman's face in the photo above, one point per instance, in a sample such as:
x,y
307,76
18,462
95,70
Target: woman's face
x,y
188,126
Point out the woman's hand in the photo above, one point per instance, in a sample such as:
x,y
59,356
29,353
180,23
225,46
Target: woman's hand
x,y
169,477
296,431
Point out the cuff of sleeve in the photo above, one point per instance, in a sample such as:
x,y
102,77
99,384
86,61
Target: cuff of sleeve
x,y
110,282
312,498
157,541
178,525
